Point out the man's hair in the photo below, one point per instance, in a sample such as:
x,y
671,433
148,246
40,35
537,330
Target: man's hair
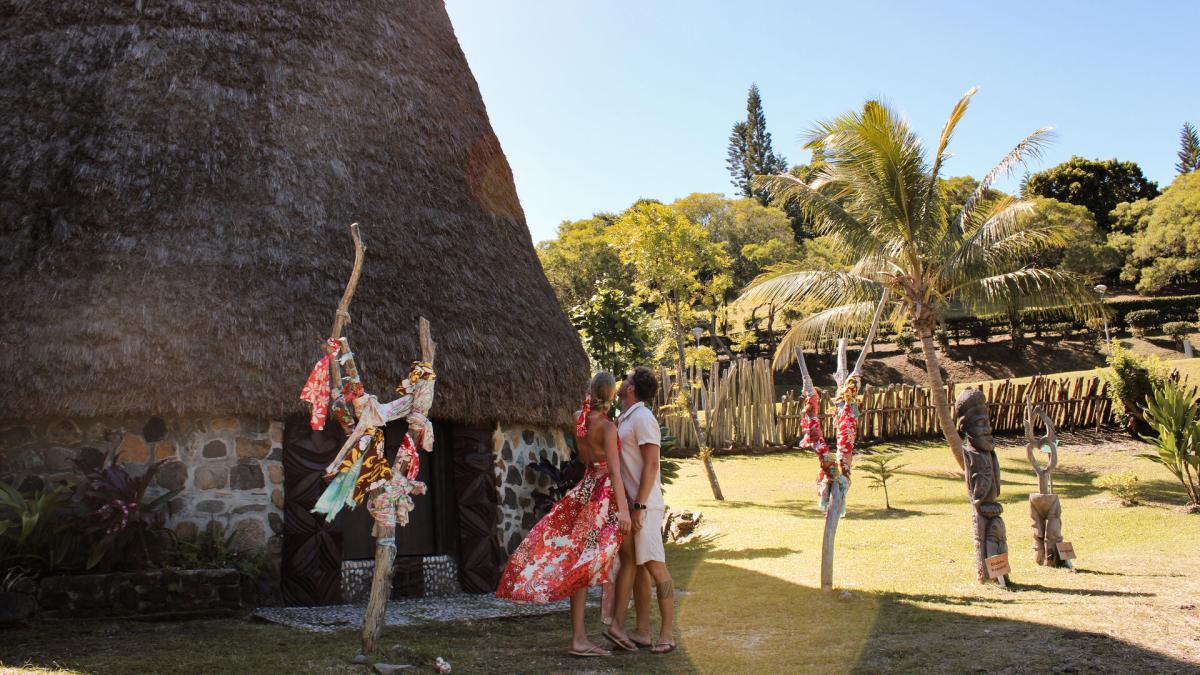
x,y
645,385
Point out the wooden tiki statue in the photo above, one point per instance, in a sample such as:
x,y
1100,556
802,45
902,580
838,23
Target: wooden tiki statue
x,y
1044,507
983,478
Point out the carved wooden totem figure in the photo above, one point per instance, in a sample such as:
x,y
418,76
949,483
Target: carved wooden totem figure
x,y
983,479
1044,507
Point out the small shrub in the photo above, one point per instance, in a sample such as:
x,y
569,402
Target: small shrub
x,y
942,337
1180,330
1131,379
1143,320
907,341
1123,486
880,470
981,331
1174,413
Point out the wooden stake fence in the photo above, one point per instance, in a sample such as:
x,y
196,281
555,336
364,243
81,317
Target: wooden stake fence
x,y
906,411
745,413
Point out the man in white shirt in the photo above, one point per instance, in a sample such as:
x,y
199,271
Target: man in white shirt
x,y
641,437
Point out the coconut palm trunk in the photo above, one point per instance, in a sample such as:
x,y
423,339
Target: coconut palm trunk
x,y
701,437
941,403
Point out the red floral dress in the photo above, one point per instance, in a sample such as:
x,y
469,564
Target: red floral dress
x,y
571,548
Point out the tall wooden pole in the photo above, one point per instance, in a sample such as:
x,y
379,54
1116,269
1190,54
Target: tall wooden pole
x,y
385,548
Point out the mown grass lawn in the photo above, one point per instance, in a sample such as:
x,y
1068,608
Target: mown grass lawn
x,y
752,602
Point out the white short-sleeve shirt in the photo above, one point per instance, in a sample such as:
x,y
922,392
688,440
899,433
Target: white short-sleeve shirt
x,y
637,427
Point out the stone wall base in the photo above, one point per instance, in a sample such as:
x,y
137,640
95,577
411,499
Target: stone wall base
x,y
436,576
158,593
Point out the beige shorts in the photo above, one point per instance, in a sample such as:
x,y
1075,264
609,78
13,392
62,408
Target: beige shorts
x,y
648,543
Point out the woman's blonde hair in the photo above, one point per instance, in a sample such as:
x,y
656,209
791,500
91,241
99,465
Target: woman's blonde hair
x,y
603,387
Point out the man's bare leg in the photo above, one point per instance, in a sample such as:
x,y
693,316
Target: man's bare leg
x,y
641,607
666,603
625,582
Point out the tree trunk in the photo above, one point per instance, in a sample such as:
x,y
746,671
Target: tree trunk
x,y
832,515
701,437
720,344
940,403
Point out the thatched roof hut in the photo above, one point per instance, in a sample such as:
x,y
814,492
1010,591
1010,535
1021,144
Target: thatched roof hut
x,y
176,181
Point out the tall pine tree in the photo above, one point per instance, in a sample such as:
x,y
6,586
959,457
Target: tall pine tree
x,y
750,151
1189,149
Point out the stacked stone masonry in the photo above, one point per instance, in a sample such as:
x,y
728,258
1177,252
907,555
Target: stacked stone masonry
x,y
228,470
516,449
167,592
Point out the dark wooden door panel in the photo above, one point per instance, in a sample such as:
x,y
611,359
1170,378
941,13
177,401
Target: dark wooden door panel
x,y
481,560
311,569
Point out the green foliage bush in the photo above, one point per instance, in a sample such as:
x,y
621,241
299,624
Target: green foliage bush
x,y
38,531
1170,307
1123,486
942,337
1131,379
981,331
907,341
1173,412
1178,329
1143,320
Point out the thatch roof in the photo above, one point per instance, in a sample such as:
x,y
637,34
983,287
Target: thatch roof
x,y
176,181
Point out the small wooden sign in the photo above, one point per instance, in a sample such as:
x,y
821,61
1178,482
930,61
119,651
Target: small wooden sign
x,y
1065,550
997,565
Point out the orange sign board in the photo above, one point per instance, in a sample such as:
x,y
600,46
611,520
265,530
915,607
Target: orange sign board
x,y
1065,550
997,565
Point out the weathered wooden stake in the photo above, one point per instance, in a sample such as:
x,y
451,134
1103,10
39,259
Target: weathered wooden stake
x,y
385,556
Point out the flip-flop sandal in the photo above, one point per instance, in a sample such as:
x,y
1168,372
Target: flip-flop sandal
x,y
590,651
626,644
640,644
668,647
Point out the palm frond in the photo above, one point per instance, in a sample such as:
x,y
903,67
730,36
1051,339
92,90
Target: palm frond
x,y
824,288
1031,147
1032,288
940,155
826,214
851,319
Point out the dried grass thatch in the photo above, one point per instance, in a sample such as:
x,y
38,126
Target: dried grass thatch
x,y
176,181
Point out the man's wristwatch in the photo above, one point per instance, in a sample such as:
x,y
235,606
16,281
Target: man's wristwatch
x,y
639,507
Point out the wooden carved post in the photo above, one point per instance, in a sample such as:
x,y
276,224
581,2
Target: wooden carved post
x,y
385,549
983,486
1044,507
834,476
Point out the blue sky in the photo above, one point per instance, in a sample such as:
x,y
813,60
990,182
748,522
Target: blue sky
x,y
599,103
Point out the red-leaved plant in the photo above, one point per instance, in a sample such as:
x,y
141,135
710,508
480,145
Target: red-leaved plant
x,y
129,532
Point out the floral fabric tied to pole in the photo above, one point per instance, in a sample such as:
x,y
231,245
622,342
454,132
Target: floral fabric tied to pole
x,y
316,388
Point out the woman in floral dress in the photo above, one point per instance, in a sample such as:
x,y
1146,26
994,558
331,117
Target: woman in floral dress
x,y
574,545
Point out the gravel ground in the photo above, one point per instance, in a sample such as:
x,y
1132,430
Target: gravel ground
x,y
464,607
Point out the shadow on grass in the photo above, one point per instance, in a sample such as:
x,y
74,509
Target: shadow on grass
x,y
751,553
894,513
1017,586
739,620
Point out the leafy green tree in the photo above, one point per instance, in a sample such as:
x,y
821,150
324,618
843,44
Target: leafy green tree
x,y
1085,250
676,267
1174,413
755,236
1098,185
1165,245
614,328
1189,149
581,259
890,215
750,151
957,190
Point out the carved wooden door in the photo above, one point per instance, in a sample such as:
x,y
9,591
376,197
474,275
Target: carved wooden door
x,y
481,560
311,569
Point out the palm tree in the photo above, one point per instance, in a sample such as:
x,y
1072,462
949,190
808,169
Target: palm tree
x,y
881,200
